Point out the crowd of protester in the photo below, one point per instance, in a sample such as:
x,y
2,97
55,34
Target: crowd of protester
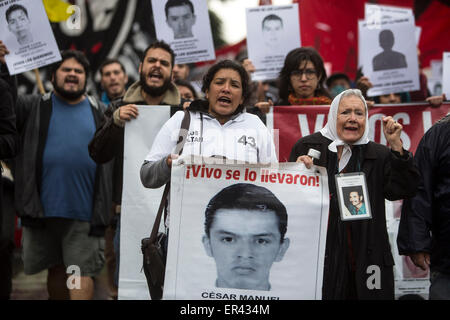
x,y
65,150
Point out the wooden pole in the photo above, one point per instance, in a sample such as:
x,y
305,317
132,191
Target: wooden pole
x,y
39,81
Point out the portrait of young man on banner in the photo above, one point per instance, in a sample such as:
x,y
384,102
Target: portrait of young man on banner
x,y
245,227
244,232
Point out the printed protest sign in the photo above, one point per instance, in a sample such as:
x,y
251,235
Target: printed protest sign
x,y
28,36
186,28
246,232
272,31
388,55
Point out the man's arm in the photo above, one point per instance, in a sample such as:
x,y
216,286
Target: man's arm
x,y
9,138
414,236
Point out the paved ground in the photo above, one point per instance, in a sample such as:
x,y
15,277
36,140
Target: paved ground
x,y
34,287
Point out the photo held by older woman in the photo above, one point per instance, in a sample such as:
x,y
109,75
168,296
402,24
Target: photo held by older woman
x,y
358,259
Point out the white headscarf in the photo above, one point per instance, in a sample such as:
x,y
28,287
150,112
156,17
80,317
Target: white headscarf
x,y
330,130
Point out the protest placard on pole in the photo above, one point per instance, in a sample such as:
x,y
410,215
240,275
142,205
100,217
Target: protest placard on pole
x,y
272,31
185,26
246,232
28,36
388,55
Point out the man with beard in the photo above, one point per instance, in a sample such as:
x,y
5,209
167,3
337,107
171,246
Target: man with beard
x,y
62,196
153,88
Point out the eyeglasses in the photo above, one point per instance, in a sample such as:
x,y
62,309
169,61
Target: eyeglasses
x,y
309,73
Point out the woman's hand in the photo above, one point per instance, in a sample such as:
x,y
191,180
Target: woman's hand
x,y
436,101
264,106
169,159
248,66
186,104
392,130
3,51
364,84
307,160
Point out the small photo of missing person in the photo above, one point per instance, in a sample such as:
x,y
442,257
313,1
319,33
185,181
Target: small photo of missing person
x,y
353,197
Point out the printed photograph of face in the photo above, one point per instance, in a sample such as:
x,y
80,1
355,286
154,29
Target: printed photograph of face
x,y
355,198
245,227
272,30
19,24
180,18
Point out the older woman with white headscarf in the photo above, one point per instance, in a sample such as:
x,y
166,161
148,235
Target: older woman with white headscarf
x,y
358,259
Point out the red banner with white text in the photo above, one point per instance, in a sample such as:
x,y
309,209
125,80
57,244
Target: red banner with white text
x,y
294,122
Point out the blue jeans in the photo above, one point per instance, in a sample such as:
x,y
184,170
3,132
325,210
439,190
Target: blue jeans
x,y
440,286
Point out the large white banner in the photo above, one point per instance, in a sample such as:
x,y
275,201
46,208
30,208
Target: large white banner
x,y
388,55
186,28
27,34
246,232
272,31
139,205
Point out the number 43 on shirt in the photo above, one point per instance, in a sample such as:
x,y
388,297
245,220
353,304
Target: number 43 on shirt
x,y
247,140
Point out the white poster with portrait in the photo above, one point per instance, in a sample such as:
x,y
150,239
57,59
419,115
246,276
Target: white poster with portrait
x,y
185,26
377,13
27,34
272,31
246,232
446,74
388,55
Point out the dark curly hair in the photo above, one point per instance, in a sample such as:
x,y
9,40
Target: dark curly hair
x,y
69,54
229,64
160,44
292,62
247,196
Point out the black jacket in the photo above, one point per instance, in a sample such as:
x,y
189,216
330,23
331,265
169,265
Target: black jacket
x,y
388,176
33,119
9,138
425,220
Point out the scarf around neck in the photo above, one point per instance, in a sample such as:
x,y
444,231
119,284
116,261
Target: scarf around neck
x,y
294,101
330,132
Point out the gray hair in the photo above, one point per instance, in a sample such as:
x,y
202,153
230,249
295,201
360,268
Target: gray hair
x,y
356,93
